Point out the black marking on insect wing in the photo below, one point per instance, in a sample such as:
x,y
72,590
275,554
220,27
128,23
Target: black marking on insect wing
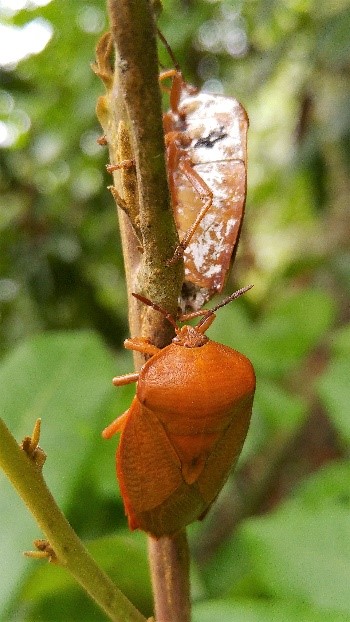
x,y
213,137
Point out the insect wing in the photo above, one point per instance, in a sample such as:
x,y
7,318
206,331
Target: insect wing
x,y
226,452
216,128
148,468
155,496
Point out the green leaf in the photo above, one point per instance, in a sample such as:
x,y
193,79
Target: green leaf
x,y
286,334
334,386
279,408
290,330
260,611
328,488
333,45
341,340
64,378
300,553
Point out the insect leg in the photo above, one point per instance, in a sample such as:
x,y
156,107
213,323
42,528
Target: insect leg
x,y
140,344
205,194
119,381
168,73
177,87
116,426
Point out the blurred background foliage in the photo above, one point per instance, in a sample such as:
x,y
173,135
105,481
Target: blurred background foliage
x,y
276,545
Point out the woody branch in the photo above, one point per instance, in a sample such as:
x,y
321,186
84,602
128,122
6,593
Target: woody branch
x,y
136,82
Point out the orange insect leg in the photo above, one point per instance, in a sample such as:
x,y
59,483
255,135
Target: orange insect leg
x,y
116,426
120,381
176,87
141,344
168,73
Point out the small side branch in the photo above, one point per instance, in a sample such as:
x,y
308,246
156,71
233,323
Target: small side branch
x,y
69,551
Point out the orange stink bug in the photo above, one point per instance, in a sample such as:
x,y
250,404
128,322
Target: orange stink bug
x,y
185,427
206,141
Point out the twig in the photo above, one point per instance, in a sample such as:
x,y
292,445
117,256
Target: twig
x,y
27,478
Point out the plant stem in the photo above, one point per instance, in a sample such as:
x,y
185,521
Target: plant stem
x,y
169,561
136,82
27,478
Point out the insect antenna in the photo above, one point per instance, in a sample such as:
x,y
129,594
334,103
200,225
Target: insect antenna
x,y
156,307
223,303
169,50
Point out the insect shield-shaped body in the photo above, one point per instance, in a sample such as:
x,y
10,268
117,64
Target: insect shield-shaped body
x,y
184,429
206,139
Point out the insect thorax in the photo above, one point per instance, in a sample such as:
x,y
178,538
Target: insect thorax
x,y
190,337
